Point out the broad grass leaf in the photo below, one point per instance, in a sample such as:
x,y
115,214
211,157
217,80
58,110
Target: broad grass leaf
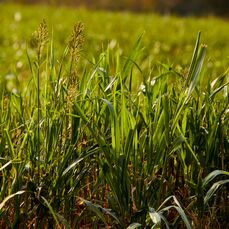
x,y
99,210
155,217
194,57
196,70
179,209
181,213
213,175
213,189
217,90
80,112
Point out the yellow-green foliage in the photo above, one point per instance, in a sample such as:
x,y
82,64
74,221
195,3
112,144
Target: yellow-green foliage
x,y
167,39
118,138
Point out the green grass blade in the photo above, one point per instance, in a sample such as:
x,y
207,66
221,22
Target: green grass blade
x,y
10,144
131,58
193,60
51,210
211,176
213,189
196,71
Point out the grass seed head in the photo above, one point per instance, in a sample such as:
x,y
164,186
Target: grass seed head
x,y
75,46
76,42
41,37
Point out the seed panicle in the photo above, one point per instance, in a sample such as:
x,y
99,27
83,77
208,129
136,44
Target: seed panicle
x,y
76,42
41,37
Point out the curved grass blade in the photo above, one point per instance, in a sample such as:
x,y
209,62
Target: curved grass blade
x,y
10,197
178,208
99,210
134,225
213,189
6,165
213,175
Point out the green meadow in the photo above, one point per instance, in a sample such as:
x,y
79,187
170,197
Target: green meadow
x,y
167,39
113,119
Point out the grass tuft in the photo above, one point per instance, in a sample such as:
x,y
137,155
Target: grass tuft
x,y
106,146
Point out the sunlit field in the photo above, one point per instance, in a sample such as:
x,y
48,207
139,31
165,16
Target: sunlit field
x,y
167,39
113,120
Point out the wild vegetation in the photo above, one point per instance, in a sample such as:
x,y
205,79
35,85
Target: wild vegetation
x,y
172,47
112,143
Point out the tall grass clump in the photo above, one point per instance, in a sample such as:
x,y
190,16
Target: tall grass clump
x,y
95,149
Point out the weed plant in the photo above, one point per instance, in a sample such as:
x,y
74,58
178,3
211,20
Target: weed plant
x,y
95,149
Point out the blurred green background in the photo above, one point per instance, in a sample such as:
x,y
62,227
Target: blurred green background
x,y
168,38
182,7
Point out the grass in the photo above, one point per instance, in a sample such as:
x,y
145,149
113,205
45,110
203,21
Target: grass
x,y
114,29
108,142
